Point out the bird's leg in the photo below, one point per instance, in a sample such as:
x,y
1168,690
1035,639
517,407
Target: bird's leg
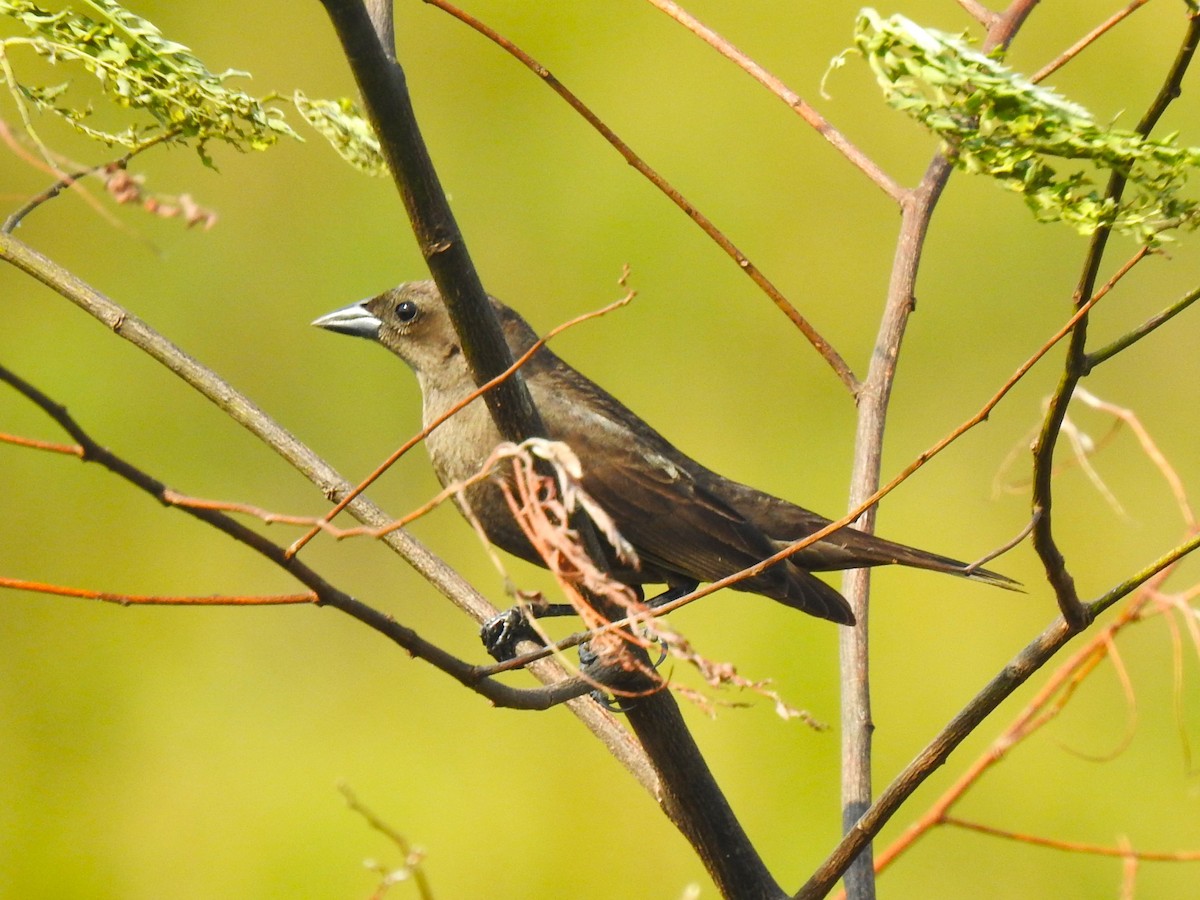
x,y
672,593
501,634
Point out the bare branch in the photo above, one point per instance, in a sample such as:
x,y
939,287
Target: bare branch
x,y
794,101
1087,40
1077,363
840,367
1096,357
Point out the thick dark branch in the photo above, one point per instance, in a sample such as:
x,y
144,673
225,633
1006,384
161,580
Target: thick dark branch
x,y
691,794
327,595
384,90
703,815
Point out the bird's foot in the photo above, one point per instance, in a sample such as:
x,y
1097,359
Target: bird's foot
x,y
501,634
589,659
672,593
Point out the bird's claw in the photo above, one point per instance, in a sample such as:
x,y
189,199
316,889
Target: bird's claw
x,y
501,634
588,658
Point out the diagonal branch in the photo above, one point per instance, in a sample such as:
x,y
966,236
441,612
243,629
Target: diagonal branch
x,y
238,407
1107,352
793,100
323,593
1018,670
1077,363
840,367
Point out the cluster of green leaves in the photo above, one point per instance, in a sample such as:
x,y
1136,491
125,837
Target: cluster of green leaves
x,y
997,122
137,69
345,127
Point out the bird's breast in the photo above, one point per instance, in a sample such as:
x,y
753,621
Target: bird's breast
x,y
460,445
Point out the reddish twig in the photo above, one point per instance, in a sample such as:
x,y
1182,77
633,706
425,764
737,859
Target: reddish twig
x,y
840,367
159,599
48,446
793,100
1087,40
1078,846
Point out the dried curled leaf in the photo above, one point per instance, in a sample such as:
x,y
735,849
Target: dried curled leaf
x,y
996,122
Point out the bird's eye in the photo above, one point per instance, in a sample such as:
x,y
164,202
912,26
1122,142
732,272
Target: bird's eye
x,y
406,311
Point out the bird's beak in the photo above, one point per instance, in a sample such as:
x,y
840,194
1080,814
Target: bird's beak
x,y
354,319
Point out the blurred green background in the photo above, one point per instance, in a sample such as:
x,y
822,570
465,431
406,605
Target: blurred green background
x,y
194,753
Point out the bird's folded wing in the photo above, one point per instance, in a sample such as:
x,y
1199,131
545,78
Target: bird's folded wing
x,y
673,521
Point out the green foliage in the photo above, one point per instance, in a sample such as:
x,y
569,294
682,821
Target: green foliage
x,y
137,69
346,129
997,122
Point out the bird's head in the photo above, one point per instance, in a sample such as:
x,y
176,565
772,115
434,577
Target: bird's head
x,y
410,320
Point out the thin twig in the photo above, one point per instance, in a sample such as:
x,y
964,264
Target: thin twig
x,y
794,101
1077,846
1096,357
840,367
1087,40
58,590
412,857
48,446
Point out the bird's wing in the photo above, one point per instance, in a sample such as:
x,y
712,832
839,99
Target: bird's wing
x,y
647,486
672,520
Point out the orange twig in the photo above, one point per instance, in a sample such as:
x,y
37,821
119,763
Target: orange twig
x,y
1078,846
840,367
158,599
1084,42
49,446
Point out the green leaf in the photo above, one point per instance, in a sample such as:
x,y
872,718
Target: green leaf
x,y
139,70
996,122
346,129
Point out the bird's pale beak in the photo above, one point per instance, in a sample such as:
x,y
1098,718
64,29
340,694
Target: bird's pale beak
x,y
354,319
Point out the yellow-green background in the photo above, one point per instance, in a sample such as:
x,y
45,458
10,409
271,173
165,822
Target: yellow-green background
x,y
149,753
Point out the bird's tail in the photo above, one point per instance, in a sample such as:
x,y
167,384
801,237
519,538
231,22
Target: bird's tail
x,y
862,549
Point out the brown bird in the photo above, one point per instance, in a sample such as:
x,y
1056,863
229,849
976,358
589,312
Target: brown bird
x,y
687,523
